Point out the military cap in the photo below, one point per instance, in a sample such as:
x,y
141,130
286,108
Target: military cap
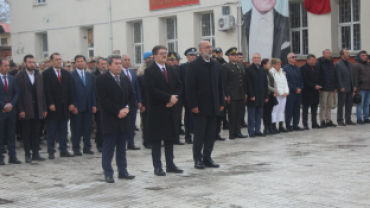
x,y
177,55
218,50
231,51
67,63
116,52
91,59
47,59
191,51
40,62
171,56
73,60
214,55
9,58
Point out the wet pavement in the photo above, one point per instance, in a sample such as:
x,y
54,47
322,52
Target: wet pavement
x,y
317,168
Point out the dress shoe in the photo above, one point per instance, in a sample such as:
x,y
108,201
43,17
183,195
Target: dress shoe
x,y
109,179
350,123
3,149
188,141
323,124
275,129
2,162
266,131
137,129
297,128
100,149
77,153
240,135
148,146
181,131
51,156
126,176
159,172
305,127
37,157
174,169
219,138
367,121
330,124
232,136
360,122
260,134
289,129
87,151
271,130
341,123
179,143
133,148
252,135
14,160
316,126
244,125
281,128
199,165
28,159
210,163
66,154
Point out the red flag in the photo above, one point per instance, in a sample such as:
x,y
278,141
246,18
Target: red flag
x,y
317,6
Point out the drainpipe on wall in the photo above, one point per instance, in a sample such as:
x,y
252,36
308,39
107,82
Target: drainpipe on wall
x,y
110,26
239,24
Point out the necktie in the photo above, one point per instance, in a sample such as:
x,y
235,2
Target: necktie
x,y
165,74
118,80
128,74
313,69
6,87
295,70
59,78
83,78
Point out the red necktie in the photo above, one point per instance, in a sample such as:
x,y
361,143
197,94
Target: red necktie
x,y
313,69
6,88
59,78
165,74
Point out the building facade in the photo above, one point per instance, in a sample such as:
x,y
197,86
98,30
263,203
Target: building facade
x,y
96,27
5,40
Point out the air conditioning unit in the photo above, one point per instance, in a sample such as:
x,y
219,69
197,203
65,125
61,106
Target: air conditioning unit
x,y
226,22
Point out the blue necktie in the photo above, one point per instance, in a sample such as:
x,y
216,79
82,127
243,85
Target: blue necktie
x,y
83,78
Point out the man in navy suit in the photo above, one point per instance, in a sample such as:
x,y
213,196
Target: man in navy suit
x,y
295,83
9,93
85,106
131,75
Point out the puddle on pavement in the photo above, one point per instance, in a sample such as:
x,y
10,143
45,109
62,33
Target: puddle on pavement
x,y
349,146
243,170
156,188
233,154
299,153
4,201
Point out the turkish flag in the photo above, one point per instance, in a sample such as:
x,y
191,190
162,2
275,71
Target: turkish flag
x,y
317,6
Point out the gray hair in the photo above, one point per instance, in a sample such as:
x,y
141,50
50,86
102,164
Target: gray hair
x,y
290,54
125,55
111,57
256,54
201,43
325,50
99,59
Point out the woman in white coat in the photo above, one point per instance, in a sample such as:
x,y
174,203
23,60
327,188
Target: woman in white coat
x,y
281,85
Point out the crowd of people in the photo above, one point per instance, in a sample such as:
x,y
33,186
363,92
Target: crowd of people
x,y
100,98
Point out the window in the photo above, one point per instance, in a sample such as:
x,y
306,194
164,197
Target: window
x,y
138,43
171,34
45,46
40,1
208,28
298,28
349,25
4,41
90,42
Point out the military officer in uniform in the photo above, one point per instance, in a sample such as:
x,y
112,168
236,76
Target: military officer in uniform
x,y
236,92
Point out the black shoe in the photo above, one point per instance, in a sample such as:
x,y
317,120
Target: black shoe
x,y
225,127
28,159
305,127
126,176
3,149
174,170
179,143
290,129
137,129
316,126
271,130
109,179
2,162
14,160
199,165
341,123
66,154
260,134
297,128
133,148
232,136
275,129
210,163
89,152
100,149
181,131
148,146
350,123
51,156
281,128
188,141
244,125
367,121
240,135
219,138
330,124
77,153
159,172
360,122
323,124
37,157
266,131
252,135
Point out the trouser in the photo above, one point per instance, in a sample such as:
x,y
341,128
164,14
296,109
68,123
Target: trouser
x,y
313,114
292,110
235,115
144,117
112,141
99,131
7,129
225,122
242,121
54,129
204,136
31,136
156,154
188,121
279,109
326,102
254,119
179,110
363,107
344,100
267,111
81,121
131,134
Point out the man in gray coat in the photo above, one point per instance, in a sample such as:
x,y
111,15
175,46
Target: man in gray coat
x,y
346,87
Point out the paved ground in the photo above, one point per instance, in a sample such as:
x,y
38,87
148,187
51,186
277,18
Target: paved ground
x,y
317,168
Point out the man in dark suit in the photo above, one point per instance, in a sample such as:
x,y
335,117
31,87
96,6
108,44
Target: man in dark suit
x,y
116,97
311,91
85,107
205,94
163,88
346,86
31,107
144,112
131,75
9,93
241,60
59,101
267,31
293,103
236,92
188,120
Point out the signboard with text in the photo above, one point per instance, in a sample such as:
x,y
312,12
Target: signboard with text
x,y
162,4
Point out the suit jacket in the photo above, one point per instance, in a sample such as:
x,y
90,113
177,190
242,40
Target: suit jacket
x,y
144,99
85,97
163,121
59,95
135,85
112,99
346,78
12,95
281,42
183,69
257,86
198,95
294,80
25,95
311,78
235,81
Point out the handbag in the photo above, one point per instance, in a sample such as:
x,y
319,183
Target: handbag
x,y
357,98
273,99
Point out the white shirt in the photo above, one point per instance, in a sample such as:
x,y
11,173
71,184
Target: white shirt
x,y
127,73
80,72
261,34
161,67
2,79
207,60
31,76
60,72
